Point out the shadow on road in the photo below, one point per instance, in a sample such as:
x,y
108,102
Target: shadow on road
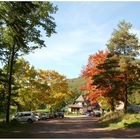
x,y
85,127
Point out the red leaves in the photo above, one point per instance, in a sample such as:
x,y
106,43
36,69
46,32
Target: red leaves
x,y
89,71
93,61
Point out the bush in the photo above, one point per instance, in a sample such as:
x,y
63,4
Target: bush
x,y
111,116
120,120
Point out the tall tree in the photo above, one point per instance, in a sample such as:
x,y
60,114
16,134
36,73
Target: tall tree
x,y
24,77
116,74
20,24
91,69
126,46
3,82
109,78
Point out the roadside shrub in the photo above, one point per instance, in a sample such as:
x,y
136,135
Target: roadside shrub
x,y
111,116
120,120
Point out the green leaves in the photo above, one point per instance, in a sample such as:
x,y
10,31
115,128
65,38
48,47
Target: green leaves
x,y
22,21
117,75
125,45
20,32
123,41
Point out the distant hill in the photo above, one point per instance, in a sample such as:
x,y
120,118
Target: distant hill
x,y
74,86
76,83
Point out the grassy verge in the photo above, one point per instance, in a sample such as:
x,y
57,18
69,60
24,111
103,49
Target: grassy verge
x,y
72,114
120,120
2,117
6,130
41,110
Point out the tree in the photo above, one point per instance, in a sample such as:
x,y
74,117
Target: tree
x,y
91,69
3,81
20,24
55,86
104,102
110,79
23,91
126,46
116,74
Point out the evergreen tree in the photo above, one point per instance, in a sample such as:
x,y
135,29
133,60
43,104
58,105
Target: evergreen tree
x,y
124,49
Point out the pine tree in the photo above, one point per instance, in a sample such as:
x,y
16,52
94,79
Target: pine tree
x,y
125,46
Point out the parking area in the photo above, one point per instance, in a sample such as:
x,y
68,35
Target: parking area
x,y
70,127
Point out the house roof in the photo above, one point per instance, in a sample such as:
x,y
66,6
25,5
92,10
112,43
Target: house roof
x,y
80,99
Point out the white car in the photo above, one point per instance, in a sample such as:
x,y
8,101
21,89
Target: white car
x,y
25,117
44,116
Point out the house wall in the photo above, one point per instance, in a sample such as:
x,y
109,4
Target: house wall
x,y
69,109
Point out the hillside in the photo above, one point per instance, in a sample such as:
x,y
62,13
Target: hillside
x,y
76,83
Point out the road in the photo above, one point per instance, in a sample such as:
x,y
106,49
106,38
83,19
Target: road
x,y
73,127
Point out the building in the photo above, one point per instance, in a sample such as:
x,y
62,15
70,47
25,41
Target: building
x,y
79,105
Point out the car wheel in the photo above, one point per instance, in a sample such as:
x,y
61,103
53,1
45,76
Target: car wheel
x,y
30,121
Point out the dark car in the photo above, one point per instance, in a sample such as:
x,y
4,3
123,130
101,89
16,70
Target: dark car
x,y
59,114
51,115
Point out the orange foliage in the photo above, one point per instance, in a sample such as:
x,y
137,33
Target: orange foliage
x,y
89,71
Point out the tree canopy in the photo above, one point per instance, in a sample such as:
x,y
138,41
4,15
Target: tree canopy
x,y
20,25
116,75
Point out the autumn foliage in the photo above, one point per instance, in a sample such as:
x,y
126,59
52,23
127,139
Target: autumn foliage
x,y
114,73
89,71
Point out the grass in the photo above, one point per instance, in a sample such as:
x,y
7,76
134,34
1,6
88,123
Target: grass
x,y
10,129
41,110
120,120
6,129
2,117
72,114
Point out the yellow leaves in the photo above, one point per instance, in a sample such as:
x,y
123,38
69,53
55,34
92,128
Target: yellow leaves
x,y
60,96
53,83
39,87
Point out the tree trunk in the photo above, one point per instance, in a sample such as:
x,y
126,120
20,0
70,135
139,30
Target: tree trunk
x,y
10,83
125,99
112,105
125,93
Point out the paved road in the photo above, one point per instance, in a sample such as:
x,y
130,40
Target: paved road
x,y
74,127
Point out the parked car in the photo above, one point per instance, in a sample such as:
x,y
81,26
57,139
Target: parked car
x,y
59,114
44,116
133,108
25,117
51,115
88,113
97,113
37,115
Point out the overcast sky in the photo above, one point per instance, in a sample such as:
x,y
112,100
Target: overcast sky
x,y
83,28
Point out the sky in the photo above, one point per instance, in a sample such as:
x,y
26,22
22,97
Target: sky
x,y
82,29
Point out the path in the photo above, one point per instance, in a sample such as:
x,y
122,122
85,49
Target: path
x,y
74,127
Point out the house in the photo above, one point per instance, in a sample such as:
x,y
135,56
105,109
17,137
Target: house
x,y
82,106
79,105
